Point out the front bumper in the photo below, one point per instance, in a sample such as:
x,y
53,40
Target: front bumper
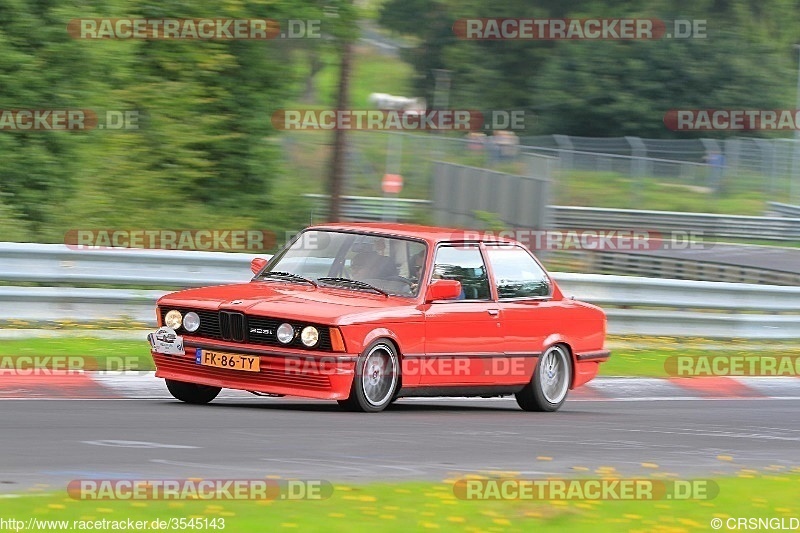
x,y
321,375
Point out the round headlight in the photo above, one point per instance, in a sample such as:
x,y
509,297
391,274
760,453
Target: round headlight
x,y
173,319
191,321
285,333
309,336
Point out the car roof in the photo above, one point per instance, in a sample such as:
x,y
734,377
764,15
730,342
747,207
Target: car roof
x,y
431,234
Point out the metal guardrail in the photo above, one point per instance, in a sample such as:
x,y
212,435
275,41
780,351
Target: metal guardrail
x,y
627,291
372,208
634,305
365,208
708,224
678,266
785,226
59,264
78,304
783,210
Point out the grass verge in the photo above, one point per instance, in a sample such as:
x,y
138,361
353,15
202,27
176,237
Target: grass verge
x,y
433,506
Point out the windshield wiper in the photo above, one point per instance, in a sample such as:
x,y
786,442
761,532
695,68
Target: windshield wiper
x,y
287,276
353,283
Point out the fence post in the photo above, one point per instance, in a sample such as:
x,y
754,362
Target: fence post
x,y
710,146
638,153
565,151
767,154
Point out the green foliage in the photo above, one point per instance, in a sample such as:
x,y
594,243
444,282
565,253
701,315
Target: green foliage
x,y
489,221
11,225
202,155
612,190
623,88
607,88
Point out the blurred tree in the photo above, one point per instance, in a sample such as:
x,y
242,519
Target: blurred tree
x,y
203,154
431,22
607,88
37,71
623,88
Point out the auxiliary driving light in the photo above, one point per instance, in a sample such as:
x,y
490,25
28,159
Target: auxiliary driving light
x,y
309,336
173,319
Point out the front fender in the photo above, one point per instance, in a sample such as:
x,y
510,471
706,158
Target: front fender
x,y
362,336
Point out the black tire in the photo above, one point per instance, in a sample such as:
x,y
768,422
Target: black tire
x,y
550,383
376,379
192,392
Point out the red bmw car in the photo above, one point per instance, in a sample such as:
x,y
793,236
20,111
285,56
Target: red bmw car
x,y
367,313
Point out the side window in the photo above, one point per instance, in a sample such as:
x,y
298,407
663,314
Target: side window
x,y
465,264
516,274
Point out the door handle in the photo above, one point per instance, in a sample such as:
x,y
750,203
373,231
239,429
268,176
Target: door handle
x,y
493,312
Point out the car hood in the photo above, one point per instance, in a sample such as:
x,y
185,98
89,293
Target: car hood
x,y
288,300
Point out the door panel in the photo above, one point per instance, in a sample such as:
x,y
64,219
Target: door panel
x,y
463,337
529,316
461,342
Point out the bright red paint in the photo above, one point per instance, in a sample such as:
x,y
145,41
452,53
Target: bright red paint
x,y
443,346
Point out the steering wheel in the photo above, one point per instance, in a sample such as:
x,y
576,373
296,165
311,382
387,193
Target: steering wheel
x,y
407,281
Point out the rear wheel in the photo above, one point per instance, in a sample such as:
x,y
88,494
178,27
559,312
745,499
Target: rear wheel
x,y
376,380
192,392
548,388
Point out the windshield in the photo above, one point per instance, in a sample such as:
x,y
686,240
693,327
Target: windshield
x,y
354,261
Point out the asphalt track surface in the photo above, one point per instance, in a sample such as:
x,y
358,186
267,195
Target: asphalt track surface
x,y
52,442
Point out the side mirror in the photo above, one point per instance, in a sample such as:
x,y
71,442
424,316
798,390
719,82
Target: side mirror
x,y
443,289
257,264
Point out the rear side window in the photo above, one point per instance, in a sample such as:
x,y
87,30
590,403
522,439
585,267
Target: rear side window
x,y
465,264
516,273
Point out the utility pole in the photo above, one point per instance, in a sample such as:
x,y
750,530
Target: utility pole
x,y
793,185
336,177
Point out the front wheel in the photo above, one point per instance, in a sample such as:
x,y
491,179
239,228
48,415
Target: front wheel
x,y
192,392
376,379
548,388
